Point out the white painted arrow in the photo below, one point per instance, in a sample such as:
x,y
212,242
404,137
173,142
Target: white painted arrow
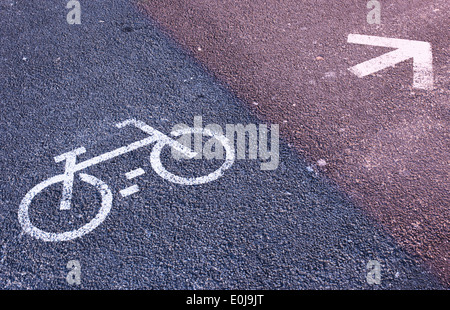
x,y
419,51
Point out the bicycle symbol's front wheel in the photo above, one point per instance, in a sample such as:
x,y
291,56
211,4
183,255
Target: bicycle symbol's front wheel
x,y
29,228
155,159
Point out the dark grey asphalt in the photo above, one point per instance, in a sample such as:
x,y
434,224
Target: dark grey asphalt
x,y
65,86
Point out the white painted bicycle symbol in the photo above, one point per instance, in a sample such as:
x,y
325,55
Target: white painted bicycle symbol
x,y
72,167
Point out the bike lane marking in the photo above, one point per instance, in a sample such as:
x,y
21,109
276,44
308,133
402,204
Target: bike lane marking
x,y
129,190
405,49
134,173
30,229
134,188
71,168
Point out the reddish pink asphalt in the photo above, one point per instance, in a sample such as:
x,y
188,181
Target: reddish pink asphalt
x,y
384,143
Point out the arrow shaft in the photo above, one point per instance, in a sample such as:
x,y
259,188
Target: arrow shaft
x,y
379,63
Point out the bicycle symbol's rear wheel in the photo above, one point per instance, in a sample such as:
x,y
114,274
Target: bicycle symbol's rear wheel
x,y
30,229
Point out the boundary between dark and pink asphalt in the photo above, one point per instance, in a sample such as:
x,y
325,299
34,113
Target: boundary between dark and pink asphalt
x,y
383,143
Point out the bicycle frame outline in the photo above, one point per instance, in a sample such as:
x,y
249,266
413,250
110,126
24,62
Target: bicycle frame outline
x,y
72,167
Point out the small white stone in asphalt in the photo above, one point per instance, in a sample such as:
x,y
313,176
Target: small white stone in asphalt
x,y
330,75
255,103
310,169
24,59
321,162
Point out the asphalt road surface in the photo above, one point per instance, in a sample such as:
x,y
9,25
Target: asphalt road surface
x,y
384,141
65,86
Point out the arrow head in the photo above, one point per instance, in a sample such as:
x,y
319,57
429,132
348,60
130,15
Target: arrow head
x,y
405,49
